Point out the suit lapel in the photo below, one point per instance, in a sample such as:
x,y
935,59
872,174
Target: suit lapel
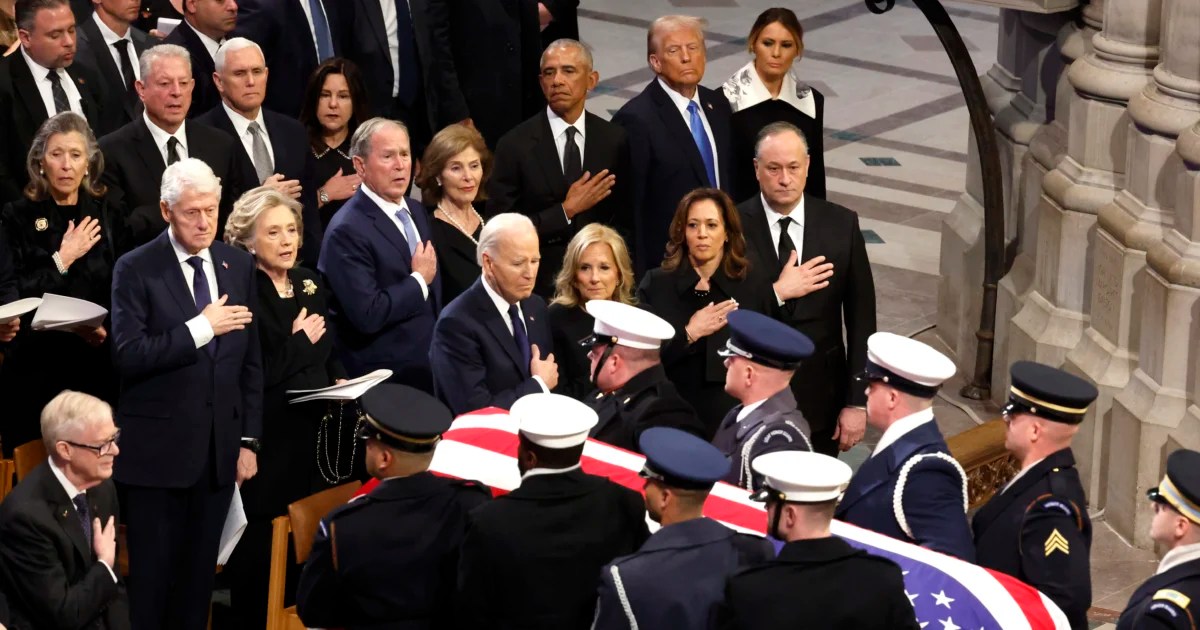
x,y
491,318
374,14
99,49
176,283
386,227
595,148
759,233
148,151
64,512
546,155
675,125
26,86
814,242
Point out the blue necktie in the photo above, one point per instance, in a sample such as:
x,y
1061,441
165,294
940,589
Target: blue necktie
x,y
410,231
519,334
407,53
202,294
84,515
702,143
321,29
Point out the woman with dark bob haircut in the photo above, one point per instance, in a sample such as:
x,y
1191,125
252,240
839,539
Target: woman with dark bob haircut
x,y
335,103
705,276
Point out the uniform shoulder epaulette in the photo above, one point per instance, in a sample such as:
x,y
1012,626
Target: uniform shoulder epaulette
x,y
470,485
1173,596
1171,606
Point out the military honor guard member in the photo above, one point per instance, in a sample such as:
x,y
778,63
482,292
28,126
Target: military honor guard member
x,y
633,392
677,578
1037,528
532,557
761,357
911,488
1169,598
389,559
818,580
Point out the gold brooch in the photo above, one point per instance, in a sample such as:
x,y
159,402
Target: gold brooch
x,y
310,287
40,224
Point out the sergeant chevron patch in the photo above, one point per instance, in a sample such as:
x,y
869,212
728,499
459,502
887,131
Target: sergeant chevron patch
x,y
1056,542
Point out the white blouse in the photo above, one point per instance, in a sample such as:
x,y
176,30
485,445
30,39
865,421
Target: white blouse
x,y
746,89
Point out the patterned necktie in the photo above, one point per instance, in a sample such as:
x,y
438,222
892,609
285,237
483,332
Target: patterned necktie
x,y
410,231
519,335
60,95
321,30
572,162
786,244
263,165
172,150
702,143
202,294
84,515
122,46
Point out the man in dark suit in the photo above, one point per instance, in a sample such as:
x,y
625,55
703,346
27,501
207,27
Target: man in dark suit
x,y
39,81
391,558
381,265
632,392
559,19
190,409
59,525
487,63
136,155
274,146
296,36
560,168
1037,527
150,12
492,344
678,130
831,289
911,488
532,558
110,47
205,25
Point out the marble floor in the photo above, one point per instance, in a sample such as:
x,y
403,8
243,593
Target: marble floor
x,y
896,134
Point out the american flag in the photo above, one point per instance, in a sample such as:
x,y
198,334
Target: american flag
x,y
946,593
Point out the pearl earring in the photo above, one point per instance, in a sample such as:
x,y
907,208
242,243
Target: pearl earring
x,y
252,252
438,180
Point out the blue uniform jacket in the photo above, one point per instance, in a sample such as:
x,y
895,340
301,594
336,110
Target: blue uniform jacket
x,y
677,578
933,495
1170,599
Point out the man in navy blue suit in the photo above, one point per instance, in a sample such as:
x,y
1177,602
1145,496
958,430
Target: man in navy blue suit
x,y
381,265
205,25
296,37
491,345
679,133
911,488
190,410
274,145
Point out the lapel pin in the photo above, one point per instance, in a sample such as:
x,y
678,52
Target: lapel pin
x,y
710,107
225,264
40,224
531,318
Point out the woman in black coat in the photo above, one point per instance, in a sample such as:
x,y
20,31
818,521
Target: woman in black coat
x,y
596,267
306,447
335,103
64,239
704,276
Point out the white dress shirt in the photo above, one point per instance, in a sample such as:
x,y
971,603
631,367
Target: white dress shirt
x,y
199,326
533,472
389,209
72,492
161,137
1178,556
748,409
795,228
558,128
902,427
241,125
681,103
110,39
391,27
210,44
501,305
41,78
312,27
1020,473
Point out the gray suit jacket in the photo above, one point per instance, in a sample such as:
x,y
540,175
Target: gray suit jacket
x,y
775,425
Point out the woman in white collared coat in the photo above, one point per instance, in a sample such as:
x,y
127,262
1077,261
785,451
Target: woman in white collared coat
x,y
766,90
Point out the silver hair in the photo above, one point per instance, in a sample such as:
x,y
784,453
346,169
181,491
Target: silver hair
x,y
669,23
64,123
360,143
162,51
567,43
243,221
188,175
232,46
495,230
67,414
776,128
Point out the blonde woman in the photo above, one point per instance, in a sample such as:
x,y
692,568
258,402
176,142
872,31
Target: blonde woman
x,y
596,267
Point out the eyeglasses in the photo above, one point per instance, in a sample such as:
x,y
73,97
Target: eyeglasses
x,y
100,449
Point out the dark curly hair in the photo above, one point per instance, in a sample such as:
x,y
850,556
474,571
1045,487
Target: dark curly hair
x,y
733,257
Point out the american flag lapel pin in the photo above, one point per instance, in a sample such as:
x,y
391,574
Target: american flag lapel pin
x,y
225,264
710,107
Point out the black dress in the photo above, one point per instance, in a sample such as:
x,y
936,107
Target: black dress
x,y
40,364
455,257
325,164
288,464
696,369
569,325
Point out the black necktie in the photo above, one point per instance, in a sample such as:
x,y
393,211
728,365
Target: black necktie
x,y
409,68
202,294
786,246
60,95
519,334
172,150
122,46
84,515
572,162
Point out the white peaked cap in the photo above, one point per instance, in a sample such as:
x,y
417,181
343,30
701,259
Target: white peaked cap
x,y
909,359
553,420
803,476
630,325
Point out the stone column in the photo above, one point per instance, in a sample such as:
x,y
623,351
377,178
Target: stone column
x,y
1054,313
1149,266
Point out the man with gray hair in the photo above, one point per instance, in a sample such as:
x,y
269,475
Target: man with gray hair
x,y
136,154
679,133
59,525
381,265
492,344
191,397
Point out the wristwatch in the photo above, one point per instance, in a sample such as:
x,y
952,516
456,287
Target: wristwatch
x,y
253,444
322,196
